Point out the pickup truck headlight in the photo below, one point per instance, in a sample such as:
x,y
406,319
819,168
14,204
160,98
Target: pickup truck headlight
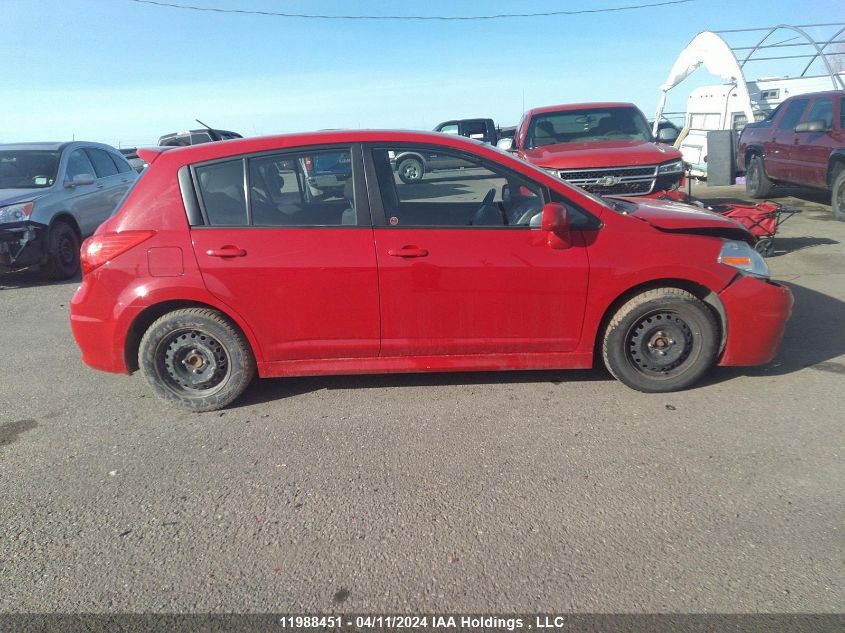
x,y
741,256
15,213
675,167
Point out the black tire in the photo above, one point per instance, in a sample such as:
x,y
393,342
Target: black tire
x,y
62,252
661,340
765,246
180,347
837,198
410,170
757,183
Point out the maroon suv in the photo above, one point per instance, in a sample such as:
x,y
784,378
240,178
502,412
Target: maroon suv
x,y
803,143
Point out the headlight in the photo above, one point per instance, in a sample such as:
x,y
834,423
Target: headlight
x,y
676,166
741,256
552,172
15,213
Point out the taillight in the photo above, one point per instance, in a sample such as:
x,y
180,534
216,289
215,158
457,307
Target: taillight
x,y
99,249
309,166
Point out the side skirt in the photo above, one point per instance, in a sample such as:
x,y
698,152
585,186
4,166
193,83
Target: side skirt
x,y
423,364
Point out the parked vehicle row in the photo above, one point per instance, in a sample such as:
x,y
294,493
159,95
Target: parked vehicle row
x,y
500,265
802,142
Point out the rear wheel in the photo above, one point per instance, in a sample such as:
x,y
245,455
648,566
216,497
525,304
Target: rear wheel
x,y
62,252
662,340
410,170
197,359
837,202
757,183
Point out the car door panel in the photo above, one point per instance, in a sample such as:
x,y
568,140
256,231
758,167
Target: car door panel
x,y
479,291
309,292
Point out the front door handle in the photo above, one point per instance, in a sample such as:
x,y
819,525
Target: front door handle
x,y
226,251
408,251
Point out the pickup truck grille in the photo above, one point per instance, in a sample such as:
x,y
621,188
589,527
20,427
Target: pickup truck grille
x,y
625,181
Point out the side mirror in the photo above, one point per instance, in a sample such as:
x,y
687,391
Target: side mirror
x,y
555,221
80,180
816,125
505,144
667,135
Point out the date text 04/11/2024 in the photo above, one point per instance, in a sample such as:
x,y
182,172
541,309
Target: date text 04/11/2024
x,y
419,621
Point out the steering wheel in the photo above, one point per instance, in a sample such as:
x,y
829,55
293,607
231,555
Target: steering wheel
x,y
488,199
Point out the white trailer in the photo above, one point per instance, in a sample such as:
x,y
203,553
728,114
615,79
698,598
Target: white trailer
x,y
731,105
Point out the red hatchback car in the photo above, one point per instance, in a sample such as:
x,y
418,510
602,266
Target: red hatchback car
x,y
222,262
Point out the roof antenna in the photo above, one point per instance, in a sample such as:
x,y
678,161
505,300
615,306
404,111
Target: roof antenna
x,y
205,125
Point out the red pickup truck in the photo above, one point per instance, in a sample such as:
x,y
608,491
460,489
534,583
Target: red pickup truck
x,y
801,142
605,148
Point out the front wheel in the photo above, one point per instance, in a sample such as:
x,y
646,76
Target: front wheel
x,y
196,358
62,252
410,171
662,340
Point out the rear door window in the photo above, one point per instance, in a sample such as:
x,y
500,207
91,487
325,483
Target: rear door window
x,y
291,189
121,163
103,165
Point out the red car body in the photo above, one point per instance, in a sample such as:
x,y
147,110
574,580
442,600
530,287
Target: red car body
x,y
586,160
379,297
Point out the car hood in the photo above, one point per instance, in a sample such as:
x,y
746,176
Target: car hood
x,y
11,196
668,215
601,154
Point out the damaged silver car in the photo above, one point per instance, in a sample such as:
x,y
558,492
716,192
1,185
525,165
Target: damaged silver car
x,y
52,196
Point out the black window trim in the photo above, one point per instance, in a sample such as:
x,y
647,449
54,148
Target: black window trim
x,y
377,205
359,188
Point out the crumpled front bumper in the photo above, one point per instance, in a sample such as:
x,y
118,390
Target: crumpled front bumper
x,y
21,244
757,311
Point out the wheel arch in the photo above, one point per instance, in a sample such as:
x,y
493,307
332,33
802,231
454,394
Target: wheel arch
x,y
66,217
836,160
146,317
706,295
753,150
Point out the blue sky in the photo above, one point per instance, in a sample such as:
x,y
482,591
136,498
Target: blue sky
x,y
125,73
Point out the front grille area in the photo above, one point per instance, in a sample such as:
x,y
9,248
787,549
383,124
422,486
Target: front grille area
x,y
629,181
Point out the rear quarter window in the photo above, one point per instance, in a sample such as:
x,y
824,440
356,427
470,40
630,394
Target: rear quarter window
x,y
221,187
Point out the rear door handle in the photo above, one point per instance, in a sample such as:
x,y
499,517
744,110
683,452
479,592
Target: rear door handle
x,y
226,251
408,251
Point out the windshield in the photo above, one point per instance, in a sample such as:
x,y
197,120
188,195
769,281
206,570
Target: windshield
x,y
587,125
28,169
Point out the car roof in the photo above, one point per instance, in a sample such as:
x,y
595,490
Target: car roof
x,y
565,107
54,146
821,93
234,147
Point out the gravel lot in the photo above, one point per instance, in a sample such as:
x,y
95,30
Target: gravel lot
x,y
536,491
